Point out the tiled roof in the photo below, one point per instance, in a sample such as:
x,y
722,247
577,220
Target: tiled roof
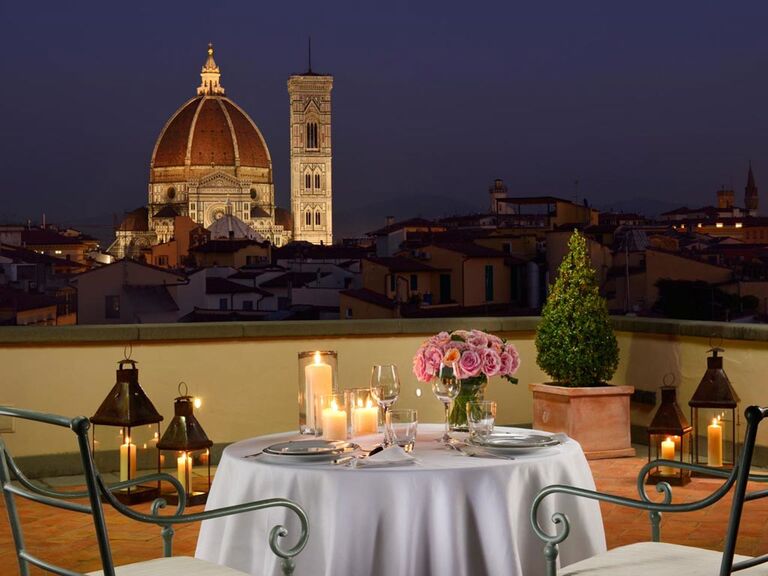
x,y
224,246
295,279
166,212
135,220
411,223
150,298
18,300
223,286
401,264
370,297
471,250
39,237
208,315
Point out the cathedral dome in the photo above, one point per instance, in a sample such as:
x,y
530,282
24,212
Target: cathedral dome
x,y
210,129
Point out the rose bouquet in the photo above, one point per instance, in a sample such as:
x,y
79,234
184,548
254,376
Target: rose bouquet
x,y
476,355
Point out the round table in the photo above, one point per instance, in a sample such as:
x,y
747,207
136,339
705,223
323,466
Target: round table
x,y
445,514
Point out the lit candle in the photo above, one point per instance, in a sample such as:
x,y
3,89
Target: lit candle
x,y
714,444
127,460
365,419
184,471
318,379
204,457
334,423
667,453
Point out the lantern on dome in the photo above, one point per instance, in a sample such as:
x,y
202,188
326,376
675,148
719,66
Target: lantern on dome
x,y
132,427
669,438
187,445
715,417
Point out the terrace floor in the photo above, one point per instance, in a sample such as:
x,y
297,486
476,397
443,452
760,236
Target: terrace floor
x,y
67,535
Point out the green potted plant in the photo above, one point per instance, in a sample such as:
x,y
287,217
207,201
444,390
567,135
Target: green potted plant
x,y
576,347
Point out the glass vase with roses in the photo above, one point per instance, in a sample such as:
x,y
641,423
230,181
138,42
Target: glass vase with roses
x,y
476,356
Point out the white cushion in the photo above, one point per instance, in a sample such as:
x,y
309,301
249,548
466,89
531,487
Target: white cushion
x,y
176,566
657,559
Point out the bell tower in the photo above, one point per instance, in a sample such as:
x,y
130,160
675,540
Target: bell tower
x,y
311,153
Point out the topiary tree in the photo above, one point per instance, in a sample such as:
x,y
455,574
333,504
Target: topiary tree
x,y
575,342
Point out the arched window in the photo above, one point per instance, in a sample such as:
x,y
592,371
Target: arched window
x,y
308,218
307,181
317,218
311,135
317,181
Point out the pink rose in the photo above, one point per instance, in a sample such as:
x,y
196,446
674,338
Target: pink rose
x,y
442,338
419,367
510,360
495,340
477,339
491,362
470,364
433,357
463,334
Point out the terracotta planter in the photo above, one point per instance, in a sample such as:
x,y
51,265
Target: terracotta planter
x,y
597,417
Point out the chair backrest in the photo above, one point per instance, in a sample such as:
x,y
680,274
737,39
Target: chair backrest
x,y
26,489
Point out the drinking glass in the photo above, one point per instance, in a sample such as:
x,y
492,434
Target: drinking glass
x,y
481,415
446,387
402,426
385,389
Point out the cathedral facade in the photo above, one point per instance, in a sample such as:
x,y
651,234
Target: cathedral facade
x,y
211,160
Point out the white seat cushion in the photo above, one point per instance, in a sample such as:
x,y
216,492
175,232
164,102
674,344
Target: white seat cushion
x,y
656,558
176,566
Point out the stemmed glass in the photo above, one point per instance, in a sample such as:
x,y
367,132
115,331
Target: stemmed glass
x,y
385,389
446,387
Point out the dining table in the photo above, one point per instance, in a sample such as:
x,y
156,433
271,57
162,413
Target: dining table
x,y
445,512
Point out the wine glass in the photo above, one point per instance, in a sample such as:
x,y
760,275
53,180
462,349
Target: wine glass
x,y
446,387
385,389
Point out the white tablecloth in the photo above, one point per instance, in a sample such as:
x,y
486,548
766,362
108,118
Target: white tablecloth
x,y
448,514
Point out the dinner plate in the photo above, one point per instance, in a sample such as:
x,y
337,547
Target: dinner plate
x,y
515,442
310,448
297,459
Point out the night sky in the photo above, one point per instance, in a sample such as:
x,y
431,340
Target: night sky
x,y
649,105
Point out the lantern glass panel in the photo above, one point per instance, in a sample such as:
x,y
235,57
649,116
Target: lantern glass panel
x,y
192,468
669,447
716,442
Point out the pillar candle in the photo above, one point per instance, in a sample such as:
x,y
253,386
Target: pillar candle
x,y
127,460
184,471
334,423
318,381
667,453
714,444
365,419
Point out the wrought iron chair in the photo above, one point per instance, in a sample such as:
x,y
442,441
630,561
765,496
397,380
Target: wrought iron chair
x,y
98,492
656,557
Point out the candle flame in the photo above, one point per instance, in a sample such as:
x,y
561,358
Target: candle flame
x,y
669,439
127,440
156,436
198,402
368,404
334,406
317,357
360,402
715,421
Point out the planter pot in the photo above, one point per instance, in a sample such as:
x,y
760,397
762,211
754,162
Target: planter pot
x,y
596,417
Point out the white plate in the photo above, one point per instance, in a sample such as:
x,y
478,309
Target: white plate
x,y
514,442
296,459
309,448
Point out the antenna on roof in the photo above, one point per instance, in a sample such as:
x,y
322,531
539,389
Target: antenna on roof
x,y
309,50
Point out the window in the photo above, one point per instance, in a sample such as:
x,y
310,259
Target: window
x,y
317,218
112,306
348,312
247,304
162,261
171,193
307,181
414,282
317,181
488,283
223,304
312,135
308,218
445,288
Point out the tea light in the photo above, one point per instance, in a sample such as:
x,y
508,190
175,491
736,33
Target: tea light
x,y
365,419
714,443
334,422
667,453
127,460
319,381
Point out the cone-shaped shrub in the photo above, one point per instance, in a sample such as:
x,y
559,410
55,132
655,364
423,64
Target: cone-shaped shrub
x,y
574,340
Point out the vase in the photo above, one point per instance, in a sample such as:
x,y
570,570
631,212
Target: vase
x,y
471,389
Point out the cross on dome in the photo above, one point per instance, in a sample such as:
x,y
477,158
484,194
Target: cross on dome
x,y
210,76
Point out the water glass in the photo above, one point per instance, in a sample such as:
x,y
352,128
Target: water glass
x,y
446,386
401,427
481,415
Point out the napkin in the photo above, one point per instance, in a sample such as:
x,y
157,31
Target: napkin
x,y
391,456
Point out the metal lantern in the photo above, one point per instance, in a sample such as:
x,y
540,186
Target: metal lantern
x,y
128,408
669,438
186,438
715,417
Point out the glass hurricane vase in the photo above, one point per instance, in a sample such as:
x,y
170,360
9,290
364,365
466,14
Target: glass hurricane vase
x,y
471,389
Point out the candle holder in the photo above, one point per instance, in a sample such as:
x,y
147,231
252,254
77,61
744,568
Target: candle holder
x,y
185,444
669,438
132,446
318,376
332,416
715,417
364,412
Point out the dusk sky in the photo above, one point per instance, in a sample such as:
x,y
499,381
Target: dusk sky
x,y
663,101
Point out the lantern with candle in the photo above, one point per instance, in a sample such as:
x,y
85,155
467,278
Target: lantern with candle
x,y
187,440
317,377
364,412
715,417
132,429
669,438
333,416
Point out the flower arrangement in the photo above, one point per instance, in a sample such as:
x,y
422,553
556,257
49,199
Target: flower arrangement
x,y
476,354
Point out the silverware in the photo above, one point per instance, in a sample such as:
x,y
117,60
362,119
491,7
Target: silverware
x,y
254,454
480,453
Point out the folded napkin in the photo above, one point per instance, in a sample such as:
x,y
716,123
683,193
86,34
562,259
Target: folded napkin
x,y
391,456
